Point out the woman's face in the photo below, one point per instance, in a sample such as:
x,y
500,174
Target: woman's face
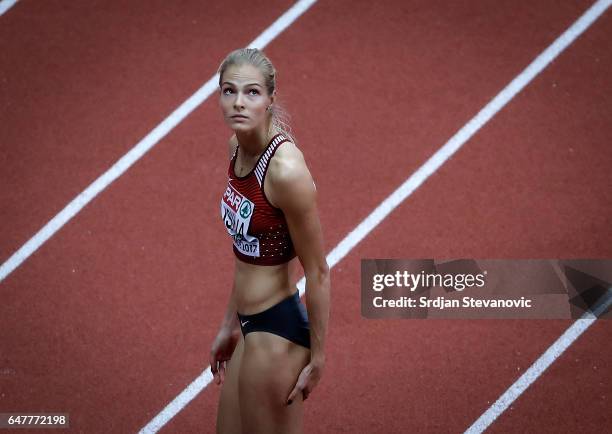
x,y
243,98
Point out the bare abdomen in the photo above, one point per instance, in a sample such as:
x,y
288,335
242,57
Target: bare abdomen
x,y
259,287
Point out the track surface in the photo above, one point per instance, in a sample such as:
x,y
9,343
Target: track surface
x,y
114,316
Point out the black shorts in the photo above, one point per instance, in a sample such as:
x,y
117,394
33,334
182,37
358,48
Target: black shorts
x,y
288,318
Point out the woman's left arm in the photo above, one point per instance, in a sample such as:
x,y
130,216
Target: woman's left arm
x,y
295,193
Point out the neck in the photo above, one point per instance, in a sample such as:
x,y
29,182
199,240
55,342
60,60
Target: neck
x,y
254,142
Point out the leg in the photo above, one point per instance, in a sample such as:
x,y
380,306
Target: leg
x,y
270,368
228,413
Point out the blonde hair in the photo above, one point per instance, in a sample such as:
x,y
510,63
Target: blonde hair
x,y
257,58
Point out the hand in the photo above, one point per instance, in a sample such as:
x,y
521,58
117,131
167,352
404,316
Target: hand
x,y
221,352
307,380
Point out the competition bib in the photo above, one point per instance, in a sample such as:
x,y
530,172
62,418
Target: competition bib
x,y
236,211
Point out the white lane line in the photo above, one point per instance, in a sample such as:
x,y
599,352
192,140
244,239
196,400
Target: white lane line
x,y
540,365
411,184
5,5
142,147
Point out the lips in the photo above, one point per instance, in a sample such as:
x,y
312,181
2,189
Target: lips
x,y
239,117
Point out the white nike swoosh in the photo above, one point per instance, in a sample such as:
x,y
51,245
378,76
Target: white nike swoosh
x,y
244,323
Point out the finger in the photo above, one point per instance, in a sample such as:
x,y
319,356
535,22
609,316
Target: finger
x,y
222,368
215,371
299,386
213,364
292,395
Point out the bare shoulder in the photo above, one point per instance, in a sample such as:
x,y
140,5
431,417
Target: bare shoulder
x,y
289,177
231,145
288,166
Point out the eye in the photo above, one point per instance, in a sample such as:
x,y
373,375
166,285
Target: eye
x,y
254,92
227,90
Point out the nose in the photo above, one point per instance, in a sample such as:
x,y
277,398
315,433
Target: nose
x,y
238,101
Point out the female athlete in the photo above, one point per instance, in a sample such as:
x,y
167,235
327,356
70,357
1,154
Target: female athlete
x,y
269,352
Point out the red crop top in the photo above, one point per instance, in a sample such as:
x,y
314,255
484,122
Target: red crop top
x,y
259,230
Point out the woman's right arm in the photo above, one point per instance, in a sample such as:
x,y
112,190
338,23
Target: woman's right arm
x,y
229,332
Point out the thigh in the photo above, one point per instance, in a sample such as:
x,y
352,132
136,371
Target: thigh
x,y
228,413
269,370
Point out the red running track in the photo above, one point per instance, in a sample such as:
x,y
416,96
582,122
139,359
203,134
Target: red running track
x,y
114,315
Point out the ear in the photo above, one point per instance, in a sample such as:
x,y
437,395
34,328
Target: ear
x,y
273,97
